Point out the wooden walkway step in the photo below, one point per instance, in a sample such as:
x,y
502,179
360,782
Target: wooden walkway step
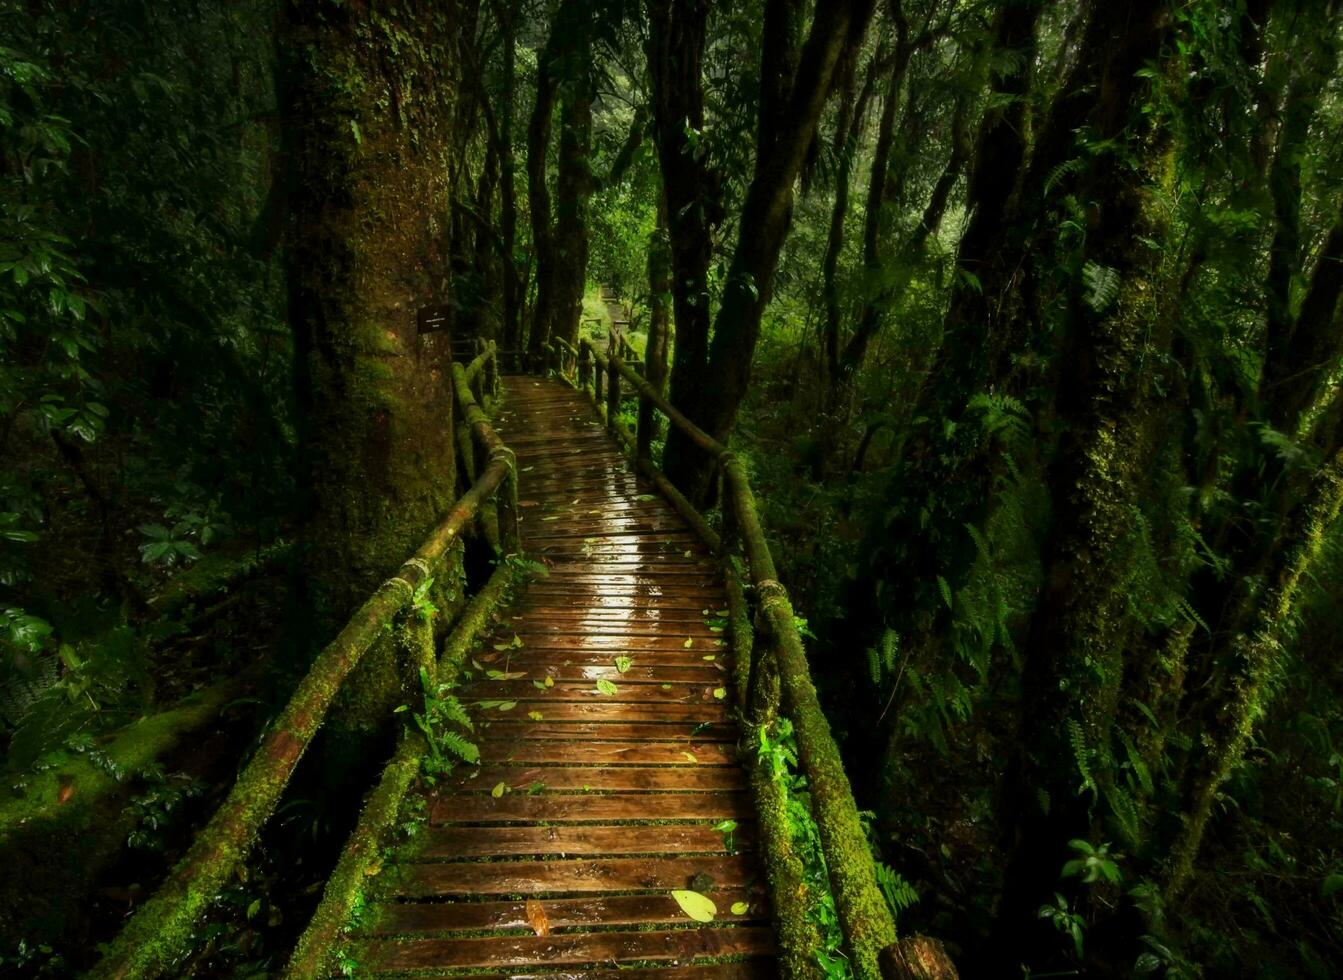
x,y
608,750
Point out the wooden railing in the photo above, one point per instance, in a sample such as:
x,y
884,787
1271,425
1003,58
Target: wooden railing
x,y
772,680
159,934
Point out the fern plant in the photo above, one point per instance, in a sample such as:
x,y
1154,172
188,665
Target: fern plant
x,y
443,723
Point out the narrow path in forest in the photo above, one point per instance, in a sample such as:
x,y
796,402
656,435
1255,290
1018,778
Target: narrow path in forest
x,y
609,774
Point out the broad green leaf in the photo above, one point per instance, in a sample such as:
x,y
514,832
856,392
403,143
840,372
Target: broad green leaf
x,y
699,907
535,715
499,790
689,642
720,693
623,664
739,908
606,687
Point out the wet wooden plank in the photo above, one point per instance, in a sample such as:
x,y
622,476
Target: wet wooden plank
x,y
540,665
679,692
598,948
601,778
589,808
460,843
671,637
409,918
753,969
524,750
550,728
564,876
667,714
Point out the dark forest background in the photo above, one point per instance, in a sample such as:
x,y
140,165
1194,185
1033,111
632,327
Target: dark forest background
x,y
1024,315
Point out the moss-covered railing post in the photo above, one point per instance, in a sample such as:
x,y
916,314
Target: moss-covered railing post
x,y
584,364
510,539
492,371
612,396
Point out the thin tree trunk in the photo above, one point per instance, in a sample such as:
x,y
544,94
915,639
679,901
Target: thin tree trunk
x,y
789,129
848,127
692,193
573,186
508,204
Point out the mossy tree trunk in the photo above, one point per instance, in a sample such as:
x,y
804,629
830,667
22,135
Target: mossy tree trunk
x,y
558,64
367,95
692,191
573,187
1109,408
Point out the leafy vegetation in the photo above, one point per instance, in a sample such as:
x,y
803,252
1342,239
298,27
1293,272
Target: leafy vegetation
x,y
1024,319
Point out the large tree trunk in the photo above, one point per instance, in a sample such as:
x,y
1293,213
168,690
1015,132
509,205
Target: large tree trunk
x,y
1109,408
369,198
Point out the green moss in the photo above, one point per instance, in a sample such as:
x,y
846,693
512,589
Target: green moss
x,y
54,848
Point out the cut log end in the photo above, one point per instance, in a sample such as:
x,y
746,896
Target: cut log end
x,y
917,958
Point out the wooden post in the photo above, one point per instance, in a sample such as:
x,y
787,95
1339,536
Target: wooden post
x,y
509,537
584,364
612,393
644,428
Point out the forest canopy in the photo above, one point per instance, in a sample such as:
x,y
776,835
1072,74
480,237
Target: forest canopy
x,y
1022,317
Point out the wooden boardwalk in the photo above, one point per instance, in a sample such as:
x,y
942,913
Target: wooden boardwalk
x,y
611,795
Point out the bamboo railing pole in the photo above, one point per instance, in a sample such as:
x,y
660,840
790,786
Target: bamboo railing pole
x,y
612,396
510,540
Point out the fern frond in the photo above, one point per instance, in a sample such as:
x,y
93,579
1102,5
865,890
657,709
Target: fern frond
x,y
1102,286
1073,166
459,746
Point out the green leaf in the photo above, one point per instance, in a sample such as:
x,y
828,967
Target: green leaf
x,y
606,687
499,790
740,908
535,715
699,907
720,693
689,642
623,664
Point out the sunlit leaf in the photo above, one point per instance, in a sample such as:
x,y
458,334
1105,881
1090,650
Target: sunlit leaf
x,y
699,907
